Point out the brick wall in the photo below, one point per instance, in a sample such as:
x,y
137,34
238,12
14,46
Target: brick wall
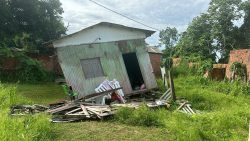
x,y
242,56
156,63
50,63
9,64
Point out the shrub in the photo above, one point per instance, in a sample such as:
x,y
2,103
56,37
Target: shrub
x,y
181,70
206,65
238,68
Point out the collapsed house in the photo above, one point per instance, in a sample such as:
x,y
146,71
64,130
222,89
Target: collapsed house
x,y
106,51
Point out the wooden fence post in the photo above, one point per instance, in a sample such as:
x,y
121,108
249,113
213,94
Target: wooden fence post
x,y
249,133
172,86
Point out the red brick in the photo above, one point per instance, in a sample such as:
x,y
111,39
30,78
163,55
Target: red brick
x,y
242,56
155,59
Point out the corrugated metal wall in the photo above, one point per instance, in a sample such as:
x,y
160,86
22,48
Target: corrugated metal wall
x,y
111,60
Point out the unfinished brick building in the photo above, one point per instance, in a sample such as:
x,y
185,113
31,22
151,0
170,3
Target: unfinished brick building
x,y
241,56
155,56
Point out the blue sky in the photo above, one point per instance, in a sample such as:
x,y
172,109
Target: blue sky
x,y
156,13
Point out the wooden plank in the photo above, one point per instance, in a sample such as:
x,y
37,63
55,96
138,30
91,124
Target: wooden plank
x,y
61,108
99,109
190,109
85,111
73,111
172,86
95,95
185,107
181,106
165,93
249,133
76,114
96,113
185,111
167,97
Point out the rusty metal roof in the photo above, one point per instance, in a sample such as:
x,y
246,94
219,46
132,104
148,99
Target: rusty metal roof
x,y
153,49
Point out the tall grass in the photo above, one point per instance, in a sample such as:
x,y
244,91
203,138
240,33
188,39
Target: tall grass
x,y
224,111
26,128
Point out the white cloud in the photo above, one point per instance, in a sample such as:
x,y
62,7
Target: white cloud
x,y
156,13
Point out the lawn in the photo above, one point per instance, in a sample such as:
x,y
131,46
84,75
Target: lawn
x,y
224,114
41,93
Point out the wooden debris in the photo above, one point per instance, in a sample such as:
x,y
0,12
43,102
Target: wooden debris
x,y
167,95
186,108
80,111
134,105
85,111
27,109
249,133
149,104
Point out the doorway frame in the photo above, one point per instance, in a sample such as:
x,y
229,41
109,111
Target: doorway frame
x,y
132,90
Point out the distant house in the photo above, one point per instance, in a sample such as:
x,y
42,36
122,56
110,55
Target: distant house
x,y
106,51
155,55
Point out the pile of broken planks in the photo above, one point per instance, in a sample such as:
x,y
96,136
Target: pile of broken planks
x,y
17,110
185,107
76,111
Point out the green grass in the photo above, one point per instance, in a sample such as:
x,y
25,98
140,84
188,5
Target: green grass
x,y
24,128
41,93
109,131
224,115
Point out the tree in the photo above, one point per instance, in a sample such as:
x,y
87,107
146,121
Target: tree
x,y
217,31
34,21
169,38
197,39
244,38
223,13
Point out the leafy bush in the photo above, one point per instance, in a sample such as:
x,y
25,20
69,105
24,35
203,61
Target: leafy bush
x,y
239,69
192,66
26,128
206,65
181,70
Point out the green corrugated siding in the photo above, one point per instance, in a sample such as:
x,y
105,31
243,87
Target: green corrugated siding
x,y
112,63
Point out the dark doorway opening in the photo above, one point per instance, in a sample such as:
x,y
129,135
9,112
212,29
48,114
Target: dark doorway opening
x,y
133,70
218,74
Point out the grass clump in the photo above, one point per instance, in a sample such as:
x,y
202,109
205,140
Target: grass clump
x,y
143,116
25,128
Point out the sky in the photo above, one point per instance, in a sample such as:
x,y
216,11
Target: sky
x,y
79,14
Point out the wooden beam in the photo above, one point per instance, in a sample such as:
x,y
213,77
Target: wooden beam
x,y
172,86
249,133
85,111
99,94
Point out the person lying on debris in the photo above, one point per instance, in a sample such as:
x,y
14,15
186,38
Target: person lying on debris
x,y
69,92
